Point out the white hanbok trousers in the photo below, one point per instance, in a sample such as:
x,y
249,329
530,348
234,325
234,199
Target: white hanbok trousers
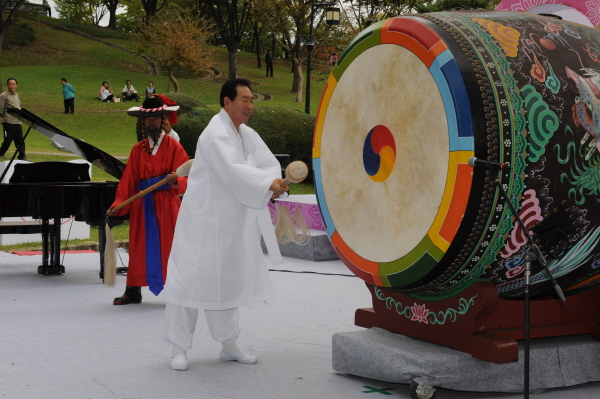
x,y
180,324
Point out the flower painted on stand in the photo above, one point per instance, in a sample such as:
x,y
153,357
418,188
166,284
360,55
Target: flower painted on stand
x,y
593,10
419,313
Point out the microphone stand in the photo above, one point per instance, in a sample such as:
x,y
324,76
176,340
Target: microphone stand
x,y
534,254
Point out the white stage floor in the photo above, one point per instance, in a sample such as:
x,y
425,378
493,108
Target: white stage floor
x,y
61,338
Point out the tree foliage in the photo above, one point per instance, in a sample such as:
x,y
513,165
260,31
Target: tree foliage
x,y
441,5
176,39
366,12
82,11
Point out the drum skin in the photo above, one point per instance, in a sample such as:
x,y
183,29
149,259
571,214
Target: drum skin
x,y
409,102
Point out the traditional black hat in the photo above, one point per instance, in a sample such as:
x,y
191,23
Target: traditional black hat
x,y
152,106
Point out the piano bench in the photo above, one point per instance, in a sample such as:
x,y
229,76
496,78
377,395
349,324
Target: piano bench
x,y
15,227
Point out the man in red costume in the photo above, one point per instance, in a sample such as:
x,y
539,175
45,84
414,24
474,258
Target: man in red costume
x,y
152,217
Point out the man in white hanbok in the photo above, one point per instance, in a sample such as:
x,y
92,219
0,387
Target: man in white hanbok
x,y
216,260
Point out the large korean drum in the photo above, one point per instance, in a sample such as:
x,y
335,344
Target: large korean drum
x,y
411,100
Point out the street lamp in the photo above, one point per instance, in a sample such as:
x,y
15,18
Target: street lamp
x,y
332,17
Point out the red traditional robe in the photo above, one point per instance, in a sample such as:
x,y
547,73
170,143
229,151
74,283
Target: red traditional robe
x,y
168,158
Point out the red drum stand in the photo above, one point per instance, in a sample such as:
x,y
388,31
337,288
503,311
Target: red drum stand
x,y
478,322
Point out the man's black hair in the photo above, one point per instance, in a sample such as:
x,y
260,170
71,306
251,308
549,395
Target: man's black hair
x,y
9,79
229,89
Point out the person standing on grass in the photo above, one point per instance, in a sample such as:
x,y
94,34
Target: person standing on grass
x,y
269,62
69,96
11,125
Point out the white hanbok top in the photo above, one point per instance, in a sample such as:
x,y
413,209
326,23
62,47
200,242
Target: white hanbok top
x,y
216,260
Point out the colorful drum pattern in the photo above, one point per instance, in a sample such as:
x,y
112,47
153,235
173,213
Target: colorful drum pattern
x,y
411,100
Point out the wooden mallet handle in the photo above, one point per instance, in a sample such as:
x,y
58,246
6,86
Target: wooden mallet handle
x,y
182,171
295,173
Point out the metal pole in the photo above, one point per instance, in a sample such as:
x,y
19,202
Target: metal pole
x,y
309,46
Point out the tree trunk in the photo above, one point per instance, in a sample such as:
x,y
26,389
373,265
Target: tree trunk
x,y
258,49
298,80
232,56
152,69
175,82
112,15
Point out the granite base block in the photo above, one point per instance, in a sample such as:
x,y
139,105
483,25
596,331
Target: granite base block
x,y
385,356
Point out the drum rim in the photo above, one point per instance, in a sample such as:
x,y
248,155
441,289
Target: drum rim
x,y
434,53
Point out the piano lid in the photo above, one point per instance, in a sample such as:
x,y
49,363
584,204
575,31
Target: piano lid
x,y
94,155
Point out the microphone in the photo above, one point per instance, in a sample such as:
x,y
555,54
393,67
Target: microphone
x,y
473,161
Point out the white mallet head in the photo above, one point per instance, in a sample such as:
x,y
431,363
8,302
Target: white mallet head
x,y
296,172
184,169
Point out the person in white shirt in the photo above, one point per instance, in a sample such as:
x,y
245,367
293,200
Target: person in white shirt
x,y
216,261
169,130
107,95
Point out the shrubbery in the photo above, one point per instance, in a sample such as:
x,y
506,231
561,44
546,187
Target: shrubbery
x,y
19,34
186,103
285,131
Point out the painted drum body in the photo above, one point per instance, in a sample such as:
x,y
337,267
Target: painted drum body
x,y
411,100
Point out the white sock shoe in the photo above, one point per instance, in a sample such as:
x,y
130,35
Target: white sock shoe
x,y
231,351
179,360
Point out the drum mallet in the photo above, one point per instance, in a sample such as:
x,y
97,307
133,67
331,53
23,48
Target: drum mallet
x,y
181,171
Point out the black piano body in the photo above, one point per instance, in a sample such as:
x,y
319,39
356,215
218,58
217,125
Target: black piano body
x,y
50,191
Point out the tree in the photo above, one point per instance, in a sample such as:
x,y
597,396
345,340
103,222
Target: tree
x,y
441,5
134,13
176,39
81,11
291,19
230,18
111,6
151,7
366,12
6,22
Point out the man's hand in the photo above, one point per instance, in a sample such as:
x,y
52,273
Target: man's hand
x,y
110,212
172,178
277,188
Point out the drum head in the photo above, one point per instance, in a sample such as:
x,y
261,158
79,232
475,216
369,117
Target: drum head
x,y
383,219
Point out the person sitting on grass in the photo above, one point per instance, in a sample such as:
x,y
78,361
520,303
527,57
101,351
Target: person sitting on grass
x,y
107,95
129,93
102,88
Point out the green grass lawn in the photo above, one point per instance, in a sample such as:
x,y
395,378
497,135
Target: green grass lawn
x,y
86,64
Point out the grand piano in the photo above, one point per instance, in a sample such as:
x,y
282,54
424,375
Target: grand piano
x,y
50,191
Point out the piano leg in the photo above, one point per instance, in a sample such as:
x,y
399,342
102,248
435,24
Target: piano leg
x,y
51,243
